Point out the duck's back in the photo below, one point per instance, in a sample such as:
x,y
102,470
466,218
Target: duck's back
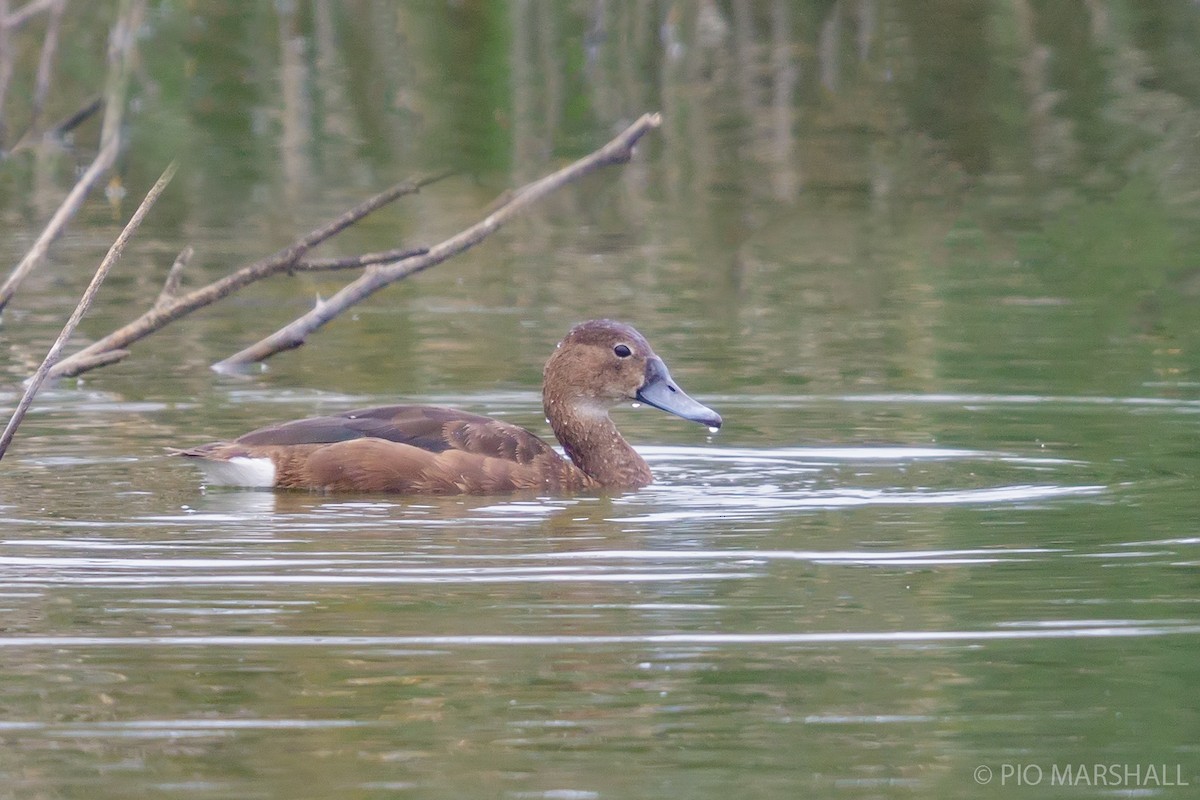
x,y
407,448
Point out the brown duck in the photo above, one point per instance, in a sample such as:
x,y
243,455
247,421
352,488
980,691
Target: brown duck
x,y
429,450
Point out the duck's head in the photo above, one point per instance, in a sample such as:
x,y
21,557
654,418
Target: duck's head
x,y
602,363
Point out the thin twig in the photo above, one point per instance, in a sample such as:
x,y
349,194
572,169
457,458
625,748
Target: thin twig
x,y
114,254
352,216
282,261
356,262
171,285
292,335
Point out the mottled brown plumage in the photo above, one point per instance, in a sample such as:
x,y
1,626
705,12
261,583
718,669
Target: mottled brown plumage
x,y
412,449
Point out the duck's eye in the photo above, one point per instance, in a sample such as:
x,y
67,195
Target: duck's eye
x,y
622,351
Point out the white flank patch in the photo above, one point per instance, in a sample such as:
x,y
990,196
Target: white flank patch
x,y
252,473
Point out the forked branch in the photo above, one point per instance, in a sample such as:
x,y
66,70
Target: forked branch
x,y
170,307
294,334
381,269
114,255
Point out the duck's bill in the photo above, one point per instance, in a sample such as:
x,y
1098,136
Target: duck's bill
x,y
662,393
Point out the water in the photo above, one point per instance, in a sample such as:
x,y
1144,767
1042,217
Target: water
x,y
944,545
855,619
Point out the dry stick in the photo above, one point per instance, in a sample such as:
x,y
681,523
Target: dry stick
x,y
285,260
81,364
292,335
357,262
174,276
364,208
117,83
114,254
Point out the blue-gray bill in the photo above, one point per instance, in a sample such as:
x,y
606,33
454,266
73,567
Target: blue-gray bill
x,y
662,393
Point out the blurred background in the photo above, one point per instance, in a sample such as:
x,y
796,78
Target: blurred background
x,y
845,196
934,261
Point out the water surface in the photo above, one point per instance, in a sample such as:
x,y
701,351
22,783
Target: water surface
x,y
945,543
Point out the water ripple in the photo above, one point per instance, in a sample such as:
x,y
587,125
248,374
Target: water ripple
x,y
1104,630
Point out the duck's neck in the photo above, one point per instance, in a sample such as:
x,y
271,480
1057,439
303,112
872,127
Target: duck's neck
x,y
593,442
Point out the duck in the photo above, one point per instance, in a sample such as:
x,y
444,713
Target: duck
x,y
419,449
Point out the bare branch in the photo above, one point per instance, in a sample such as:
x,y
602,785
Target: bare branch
x,y
82,365
285,260
174,276
357,262
618,151
363,209
114,254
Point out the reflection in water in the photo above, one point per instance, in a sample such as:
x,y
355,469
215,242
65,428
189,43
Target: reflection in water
x,y
698,483
845,602
941,276
146,728
1107,629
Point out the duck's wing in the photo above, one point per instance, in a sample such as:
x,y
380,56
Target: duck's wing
x,y
428,428
405,449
